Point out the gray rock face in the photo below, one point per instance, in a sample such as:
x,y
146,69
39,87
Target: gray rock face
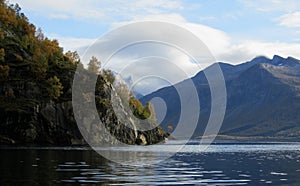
x,y
30,118
262,98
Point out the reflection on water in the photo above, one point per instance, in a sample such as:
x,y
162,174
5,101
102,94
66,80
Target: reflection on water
x,y
221,164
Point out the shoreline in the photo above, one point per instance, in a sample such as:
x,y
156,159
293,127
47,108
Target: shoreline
x,y
245,138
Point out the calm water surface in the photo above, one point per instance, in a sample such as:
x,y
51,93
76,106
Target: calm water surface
x,y
220,164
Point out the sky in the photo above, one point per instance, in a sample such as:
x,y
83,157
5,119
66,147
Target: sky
x,y
234,31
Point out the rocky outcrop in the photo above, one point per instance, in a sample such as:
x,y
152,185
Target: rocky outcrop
x,y
28,117
36,106
116,123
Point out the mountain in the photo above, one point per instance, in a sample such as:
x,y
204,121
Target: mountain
x,y
36,86
263,98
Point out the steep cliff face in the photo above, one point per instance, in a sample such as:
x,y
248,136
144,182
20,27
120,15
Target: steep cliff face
x,y
116,122
28,118
36,80
25,117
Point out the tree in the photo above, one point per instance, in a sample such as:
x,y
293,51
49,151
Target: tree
x,y
17,9
94,65
73,57
39,66
140,111
1,34
4,72
52,50
2,55
109,75
55,88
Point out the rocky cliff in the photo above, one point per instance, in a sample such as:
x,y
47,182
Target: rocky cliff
x,y
36,80
28,118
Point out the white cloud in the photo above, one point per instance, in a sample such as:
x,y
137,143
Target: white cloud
x,y
166,4
63,9
94,9
220,43
290,19
223,46
248,49
216,40
272,5
72,43
172,18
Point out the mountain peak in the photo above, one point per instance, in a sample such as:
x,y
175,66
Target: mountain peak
x,y
277,58
260,59
292,59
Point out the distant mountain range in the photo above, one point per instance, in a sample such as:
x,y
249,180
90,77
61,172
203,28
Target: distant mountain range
x,y
263,99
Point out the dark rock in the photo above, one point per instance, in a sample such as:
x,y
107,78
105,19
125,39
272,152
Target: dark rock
x,y
35,120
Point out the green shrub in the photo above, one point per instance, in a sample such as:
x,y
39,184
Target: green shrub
x,y
55,88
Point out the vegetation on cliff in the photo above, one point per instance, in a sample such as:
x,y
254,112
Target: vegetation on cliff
x,y
36,79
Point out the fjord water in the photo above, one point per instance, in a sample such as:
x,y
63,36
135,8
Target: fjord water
x,y
234,163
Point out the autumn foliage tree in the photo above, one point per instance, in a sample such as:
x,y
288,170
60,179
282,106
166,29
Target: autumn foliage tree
x,y
22,45
11,18
140,111
73,56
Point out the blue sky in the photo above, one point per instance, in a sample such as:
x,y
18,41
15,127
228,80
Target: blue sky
x,y
234,30
264,22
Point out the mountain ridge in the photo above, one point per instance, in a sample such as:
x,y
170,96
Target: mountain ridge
x,y
262,98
